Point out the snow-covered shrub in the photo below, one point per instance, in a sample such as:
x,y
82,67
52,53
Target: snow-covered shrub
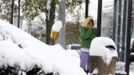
x,y
22,54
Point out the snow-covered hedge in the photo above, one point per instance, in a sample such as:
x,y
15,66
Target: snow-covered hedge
x,y
22,54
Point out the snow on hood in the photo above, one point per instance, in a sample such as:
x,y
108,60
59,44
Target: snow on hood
x,y
18,47
99,48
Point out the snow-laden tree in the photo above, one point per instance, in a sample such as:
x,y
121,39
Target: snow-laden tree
x,y
6,10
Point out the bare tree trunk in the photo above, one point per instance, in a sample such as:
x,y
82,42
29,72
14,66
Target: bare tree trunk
x,y
50,21
11,21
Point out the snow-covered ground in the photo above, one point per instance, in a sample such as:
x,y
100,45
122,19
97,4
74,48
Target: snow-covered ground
x,y
131,69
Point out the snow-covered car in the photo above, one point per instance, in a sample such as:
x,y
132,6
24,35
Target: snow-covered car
x,y
74,46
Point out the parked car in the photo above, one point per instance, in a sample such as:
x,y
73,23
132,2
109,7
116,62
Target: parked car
x,y
74,46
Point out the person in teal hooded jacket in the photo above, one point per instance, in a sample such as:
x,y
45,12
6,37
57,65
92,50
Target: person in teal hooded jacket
x,y
87,33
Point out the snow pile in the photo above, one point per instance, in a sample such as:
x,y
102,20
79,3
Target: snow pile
x,y
104,47
19,48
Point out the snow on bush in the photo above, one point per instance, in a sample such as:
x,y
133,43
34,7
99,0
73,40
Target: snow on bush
x,y
20,51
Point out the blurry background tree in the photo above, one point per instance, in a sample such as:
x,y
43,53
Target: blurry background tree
x,y
5,9
32,8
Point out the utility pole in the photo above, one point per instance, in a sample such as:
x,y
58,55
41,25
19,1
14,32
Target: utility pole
x,y
86,6
129,13
61,38
119,19
124,27
99,17
114,20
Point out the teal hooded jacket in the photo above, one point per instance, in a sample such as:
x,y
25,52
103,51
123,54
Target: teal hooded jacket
x,y
86,36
